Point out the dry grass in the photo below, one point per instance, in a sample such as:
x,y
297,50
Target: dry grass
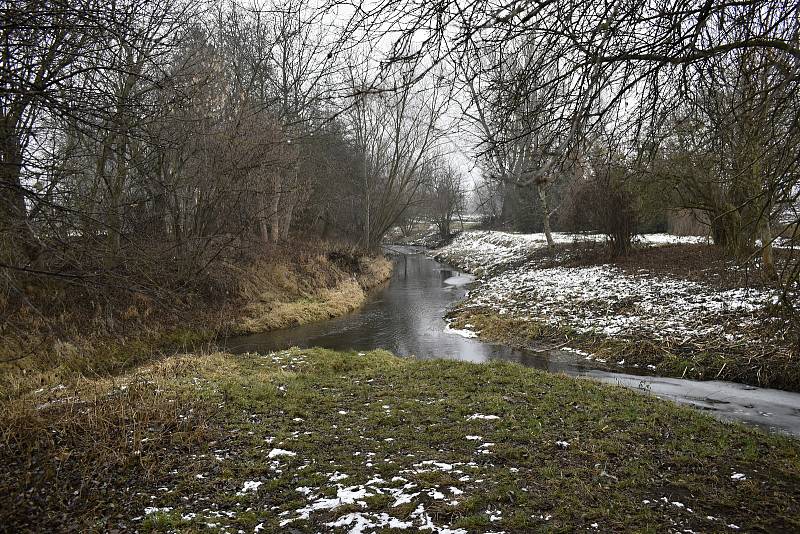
x,y
68,445
56,343
284,294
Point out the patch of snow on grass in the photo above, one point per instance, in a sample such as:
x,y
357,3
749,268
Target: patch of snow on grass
x,y
344,496
439,465
427,523
669,239
360,523
481,416
603,299
250,485
280,452
155,510
463,332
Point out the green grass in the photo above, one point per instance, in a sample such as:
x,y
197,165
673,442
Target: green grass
x,y
184,436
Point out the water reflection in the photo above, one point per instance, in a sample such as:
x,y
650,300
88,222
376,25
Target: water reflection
x,y
405,317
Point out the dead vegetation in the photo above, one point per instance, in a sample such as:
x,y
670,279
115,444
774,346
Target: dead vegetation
x,y
319,286
59,330
67,445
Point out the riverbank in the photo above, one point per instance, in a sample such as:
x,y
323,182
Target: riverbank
x,y
316,440
675,307
63,337
292,293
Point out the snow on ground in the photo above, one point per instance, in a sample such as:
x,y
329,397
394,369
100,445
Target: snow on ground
x,y
482,416
484,250
599,299
603,299
361,522
462,332
281,452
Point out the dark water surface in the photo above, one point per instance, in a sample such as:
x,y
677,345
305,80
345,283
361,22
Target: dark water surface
x,y
405,317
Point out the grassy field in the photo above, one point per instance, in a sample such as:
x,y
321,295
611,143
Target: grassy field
x,y
310,440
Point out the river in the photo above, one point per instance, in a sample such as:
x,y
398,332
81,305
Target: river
x,y
406,318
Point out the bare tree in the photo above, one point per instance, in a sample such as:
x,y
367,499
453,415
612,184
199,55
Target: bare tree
x,y
445,198
397,133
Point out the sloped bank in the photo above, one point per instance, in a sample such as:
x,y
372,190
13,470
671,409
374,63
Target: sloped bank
x,y
632,315
325,285
324,441
307,281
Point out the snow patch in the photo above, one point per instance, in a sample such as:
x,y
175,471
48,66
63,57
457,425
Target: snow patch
x,y
481,416
249,485
280,452
469,334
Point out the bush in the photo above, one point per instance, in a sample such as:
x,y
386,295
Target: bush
x,y
605,202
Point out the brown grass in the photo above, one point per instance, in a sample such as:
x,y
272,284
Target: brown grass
x,y
68,444
285,294
52,341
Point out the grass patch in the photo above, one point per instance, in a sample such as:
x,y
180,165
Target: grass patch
x,y
316,440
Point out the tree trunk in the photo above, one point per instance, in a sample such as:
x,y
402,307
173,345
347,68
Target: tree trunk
x,y
289,201
727,232
766,250
287,219
274,211
263,230
262,220
541,189
116,191
367,209
444,228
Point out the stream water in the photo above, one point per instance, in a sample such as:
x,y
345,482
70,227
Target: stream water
x,y
405,317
